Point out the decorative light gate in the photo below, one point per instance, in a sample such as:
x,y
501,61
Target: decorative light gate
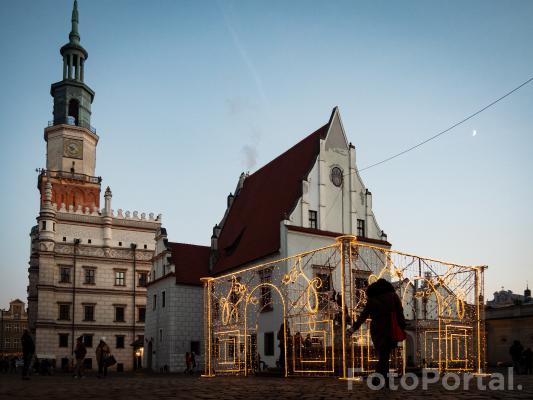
x,y
308,301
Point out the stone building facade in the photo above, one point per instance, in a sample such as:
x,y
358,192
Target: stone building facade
x,y
13,322
88,266
508,317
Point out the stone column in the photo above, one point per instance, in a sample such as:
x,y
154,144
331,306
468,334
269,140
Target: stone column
x,y
64,67
69,58
77,68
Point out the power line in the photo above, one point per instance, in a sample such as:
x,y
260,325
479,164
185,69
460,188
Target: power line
x,y
447,129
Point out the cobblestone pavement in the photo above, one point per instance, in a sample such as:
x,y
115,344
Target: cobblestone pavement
x,y
148,386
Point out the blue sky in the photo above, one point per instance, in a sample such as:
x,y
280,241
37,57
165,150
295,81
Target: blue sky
x,y
190,94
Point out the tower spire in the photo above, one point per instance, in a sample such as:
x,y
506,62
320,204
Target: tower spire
x,y
74,35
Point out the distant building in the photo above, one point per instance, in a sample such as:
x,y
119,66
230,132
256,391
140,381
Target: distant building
x,y
301,200
13,322
88,265
509,317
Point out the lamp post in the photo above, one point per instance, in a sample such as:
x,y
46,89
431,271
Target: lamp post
x,y
133,250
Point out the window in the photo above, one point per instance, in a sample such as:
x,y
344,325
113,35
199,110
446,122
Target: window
x,y
195,347
154,304
120,278
120,244
143,279
89,276
313,218
64,239
89,241
64,275
44,225
325,280
145,246
88,340
64,312
361,227
119,342
163,299
88,312
63,340
119,314
269,344
141,311
266,291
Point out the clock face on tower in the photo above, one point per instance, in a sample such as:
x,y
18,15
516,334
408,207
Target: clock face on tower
x,y
73,148
336,176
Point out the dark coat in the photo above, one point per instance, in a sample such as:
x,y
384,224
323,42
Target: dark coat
x,y
379,308
28,347
80,352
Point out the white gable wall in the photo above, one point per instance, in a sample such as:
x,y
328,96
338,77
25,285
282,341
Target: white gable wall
x,y
338,208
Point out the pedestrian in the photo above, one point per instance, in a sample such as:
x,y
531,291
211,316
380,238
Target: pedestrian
x,y
193,362
308,346
298,345
188,363
79,352
385,309
28,350
283,337
516,351
528,361
102,354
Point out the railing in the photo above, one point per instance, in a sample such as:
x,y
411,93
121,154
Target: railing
x,y
71,121
70,175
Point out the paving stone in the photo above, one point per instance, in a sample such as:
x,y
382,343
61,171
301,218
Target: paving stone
x,y
180,386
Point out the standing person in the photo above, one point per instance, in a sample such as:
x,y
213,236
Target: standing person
x,y
188,363
528,361
193,361
515,351
80,352
28,350
308,346
385,309
282,344
102,353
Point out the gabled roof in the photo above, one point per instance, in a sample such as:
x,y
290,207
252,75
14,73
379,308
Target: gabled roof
x,y
191,262
268,196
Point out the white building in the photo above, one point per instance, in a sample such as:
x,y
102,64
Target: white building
x,y
301,200
174,319
88,266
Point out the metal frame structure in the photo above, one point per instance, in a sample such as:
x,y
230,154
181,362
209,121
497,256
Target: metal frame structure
x,y
315,296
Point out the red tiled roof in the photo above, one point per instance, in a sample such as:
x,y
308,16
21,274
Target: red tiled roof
x,y
191,262
268,196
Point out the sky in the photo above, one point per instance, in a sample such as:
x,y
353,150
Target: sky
x,y
189,94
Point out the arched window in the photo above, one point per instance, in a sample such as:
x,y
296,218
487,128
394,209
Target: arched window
x,y
73,110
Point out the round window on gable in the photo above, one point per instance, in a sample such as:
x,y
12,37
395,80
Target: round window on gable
x,y
336,176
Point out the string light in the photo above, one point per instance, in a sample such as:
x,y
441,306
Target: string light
x,y
316,296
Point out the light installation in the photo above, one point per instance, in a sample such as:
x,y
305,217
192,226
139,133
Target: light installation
x,y
311,299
